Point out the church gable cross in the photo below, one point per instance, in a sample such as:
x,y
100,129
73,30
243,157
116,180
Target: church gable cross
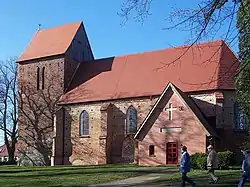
x,y
170,110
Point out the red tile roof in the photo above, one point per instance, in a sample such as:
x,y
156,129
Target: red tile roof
x,y
205,66
49,42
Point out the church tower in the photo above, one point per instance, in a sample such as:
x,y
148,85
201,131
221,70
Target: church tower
x,y
45,70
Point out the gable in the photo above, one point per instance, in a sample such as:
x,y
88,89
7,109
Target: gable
x,y
146,74
161,104
50,42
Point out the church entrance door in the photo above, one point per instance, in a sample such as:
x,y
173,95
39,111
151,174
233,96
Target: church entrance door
x,y
172,153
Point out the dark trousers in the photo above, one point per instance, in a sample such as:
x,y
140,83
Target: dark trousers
x,y
242,180
184,179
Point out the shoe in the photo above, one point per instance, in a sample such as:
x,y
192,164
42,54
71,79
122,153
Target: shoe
x,y
218,178
194,185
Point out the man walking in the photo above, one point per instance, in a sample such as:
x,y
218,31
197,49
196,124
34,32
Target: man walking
x,y
185,167
245,168
212,164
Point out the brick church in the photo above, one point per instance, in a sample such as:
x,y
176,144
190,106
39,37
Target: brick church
x,y
138,108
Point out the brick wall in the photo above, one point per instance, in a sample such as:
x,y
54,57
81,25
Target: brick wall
x,y
116,122
35,126
192,134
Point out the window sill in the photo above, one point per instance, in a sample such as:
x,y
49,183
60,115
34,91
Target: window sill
x,y
85,136
131,133
152,155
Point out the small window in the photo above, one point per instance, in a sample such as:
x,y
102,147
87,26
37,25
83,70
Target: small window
x,y
37,78
131,121
84,123
43,70
240,118
151,150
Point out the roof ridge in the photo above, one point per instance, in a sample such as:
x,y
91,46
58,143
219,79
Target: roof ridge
x,y
174,47
80,24
66,24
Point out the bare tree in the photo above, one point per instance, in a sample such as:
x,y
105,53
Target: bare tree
x,y
203,22
8,105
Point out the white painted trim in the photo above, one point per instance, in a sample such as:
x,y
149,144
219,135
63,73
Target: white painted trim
x,y
151,111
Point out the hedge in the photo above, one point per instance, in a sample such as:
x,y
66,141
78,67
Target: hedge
x,y
225,159
199,161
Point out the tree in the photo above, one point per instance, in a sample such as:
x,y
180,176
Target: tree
x,y
243,78
8,105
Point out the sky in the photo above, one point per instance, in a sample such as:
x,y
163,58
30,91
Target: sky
x,y
19,21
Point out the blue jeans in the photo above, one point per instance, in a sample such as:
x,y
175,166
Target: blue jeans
x,y
242,180
184,179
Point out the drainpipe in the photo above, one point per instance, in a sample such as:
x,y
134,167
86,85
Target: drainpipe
x,y
63,134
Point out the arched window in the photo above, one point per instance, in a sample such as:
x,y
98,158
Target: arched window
x,y
43,70
131,121
240,118
84,123
37,78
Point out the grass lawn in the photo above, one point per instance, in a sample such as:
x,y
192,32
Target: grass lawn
x,y
229,178
84,175
68,175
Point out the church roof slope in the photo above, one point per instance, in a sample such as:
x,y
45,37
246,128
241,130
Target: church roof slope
x,y
49,42
188,102
196,68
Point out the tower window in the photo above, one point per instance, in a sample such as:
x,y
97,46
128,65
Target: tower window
x,y
37,78
43,70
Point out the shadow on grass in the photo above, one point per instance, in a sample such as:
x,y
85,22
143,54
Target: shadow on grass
x,y
81,170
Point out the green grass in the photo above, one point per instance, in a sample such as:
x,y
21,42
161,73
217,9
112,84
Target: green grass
x,y
68,175
228,178
85,175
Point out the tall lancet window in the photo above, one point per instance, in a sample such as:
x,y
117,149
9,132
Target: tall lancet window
x,y
43,70
131,120
37,78
240,118
84,123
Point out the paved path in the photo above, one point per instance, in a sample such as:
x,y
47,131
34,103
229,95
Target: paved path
x,y
140,181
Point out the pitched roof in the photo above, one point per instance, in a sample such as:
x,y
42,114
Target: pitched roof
x,y
49,42
206,66
188,102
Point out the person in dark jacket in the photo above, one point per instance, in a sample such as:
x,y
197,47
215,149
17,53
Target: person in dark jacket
x,y
185,167
245,168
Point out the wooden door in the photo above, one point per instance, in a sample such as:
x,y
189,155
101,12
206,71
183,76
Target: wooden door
x,y
172,153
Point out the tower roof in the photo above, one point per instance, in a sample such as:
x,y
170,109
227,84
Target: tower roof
x,y
50,42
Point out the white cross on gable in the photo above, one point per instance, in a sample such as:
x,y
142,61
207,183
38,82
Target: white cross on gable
x,y
170,111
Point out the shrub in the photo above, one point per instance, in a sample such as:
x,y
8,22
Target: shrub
x,y
225,159
199,161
